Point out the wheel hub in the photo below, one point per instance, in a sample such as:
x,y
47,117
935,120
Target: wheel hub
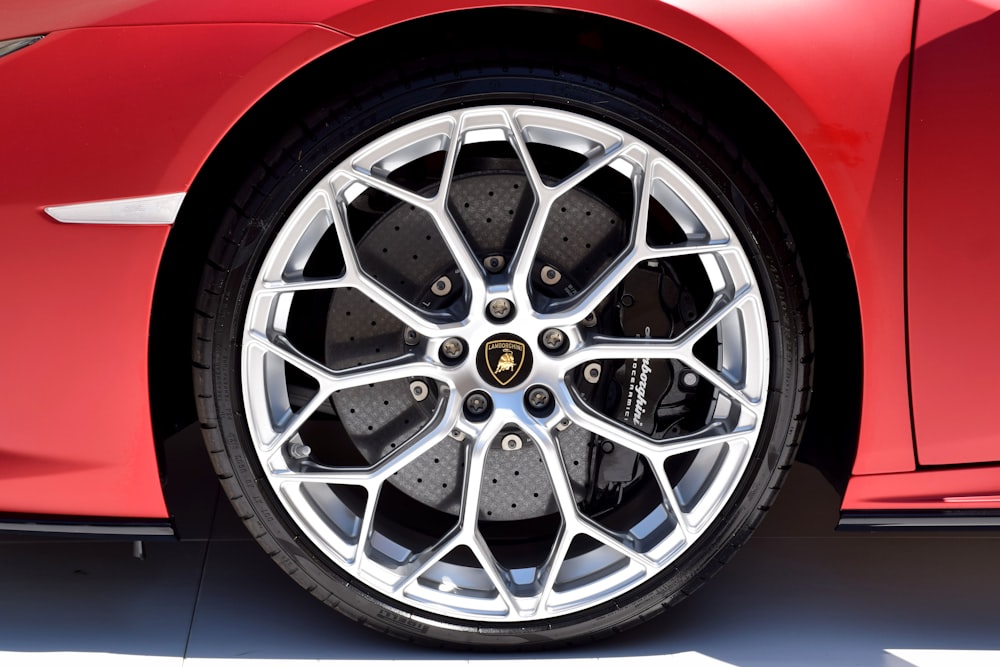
x,y
504,360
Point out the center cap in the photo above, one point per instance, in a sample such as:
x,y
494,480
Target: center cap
x,y
504,360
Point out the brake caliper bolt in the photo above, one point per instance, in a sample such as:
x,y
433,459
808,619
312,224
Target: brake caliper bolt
x,y
477,403
441,286
689,379
419,390
592,372
494,263
500,309
553,339
539,398
550,275
299,450
511,442
453,348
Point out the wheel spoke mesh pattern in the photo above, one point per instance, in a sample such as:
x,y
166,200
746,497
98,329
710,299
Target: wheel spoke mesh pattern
x,y
654,380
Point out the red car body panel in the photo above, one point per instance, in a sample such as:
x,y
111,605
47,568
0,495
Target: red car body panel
x,y
127,112
954,235
973,488
135,100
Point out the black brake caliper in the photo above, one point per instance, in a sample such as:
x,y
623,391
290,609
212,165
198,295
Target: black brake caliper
x,y
644,393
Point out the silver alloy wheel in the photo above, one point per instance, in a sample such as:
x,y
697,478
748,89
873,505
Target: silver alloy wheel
x,y
473,566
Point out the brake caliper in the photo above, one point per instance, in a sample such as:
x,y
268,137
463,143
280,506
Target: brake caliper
x,y
643,313
644,394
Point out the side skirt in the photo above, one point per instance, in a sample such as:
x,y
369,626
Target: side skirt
x,y
920,520
88,527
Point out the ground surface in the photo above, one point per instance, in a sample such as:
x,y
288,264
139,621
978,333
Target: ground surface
x,y
798,594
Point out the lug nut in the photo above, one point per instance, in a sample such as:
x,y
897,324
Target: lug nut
x,y
494,263
592,372
452,349
441,286
511,442
501,309
553,339
419,390
539,399
550,275
477,404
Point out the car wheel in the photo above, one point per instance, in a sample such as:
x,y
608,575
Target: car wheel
x,y
504,357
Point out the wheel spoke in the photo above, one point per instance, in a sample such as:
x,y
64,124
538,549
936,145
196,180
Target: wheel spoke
x,y
468,520
722,306
575,523
572,521
331,380
593,165
303,231
305,285
366,528
356,277
294,422
609,429
453,237
572,311
405,454
426,560
680,348
466,532
670,498
616,543
545,198
727,387
437,206
541,205
549,571
493,570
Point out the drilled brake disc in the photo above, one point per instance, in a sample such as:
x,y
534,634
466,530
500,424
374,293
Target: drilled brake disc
x,y
403,248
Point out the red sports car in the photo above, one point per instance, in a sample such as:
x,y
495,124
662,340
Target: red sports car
x,y
507,319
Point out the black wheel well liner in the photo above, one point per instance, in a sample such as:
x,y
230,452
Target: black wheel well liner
x,y
614,50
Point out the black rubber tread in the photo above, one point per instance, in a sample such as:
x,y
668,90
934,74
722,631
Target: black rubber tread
x,y
372,103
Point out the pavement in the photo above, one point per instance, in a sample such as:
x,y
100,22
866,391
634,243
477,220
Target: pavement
x,y
799,594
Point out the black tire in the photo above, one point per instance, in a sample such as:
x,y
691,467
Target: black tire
x,y
614,489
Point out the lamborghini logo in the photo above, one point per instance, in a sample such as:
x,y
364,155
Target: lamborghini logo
x,y
504,359
506,363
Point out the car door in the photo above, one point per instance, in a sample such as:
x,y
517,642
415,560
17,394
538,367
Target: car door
x,y
953,231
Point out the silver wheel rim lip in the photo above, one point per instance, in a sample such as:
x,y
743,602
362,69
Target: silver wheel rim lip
x,y
737,316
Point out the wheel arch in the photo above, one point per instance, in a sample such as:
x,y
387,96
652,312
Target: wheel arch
x,y
767,142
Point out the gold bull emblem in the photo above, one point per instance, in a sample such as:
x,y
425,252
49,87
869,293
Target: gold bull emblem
x,y
504,360
506,364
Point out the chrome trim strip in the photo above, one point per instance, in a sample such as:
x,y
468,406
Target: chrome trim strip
x,y
9,46
156,210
